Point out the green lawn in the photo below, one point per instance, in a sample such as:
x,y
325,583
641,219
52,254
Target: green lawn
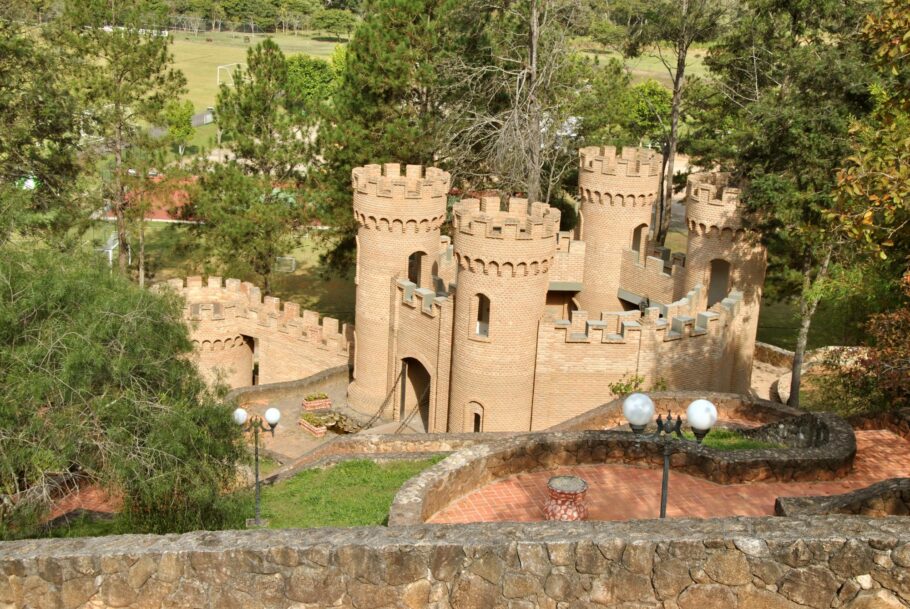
x,y
199,60
648,65
353,493
727,439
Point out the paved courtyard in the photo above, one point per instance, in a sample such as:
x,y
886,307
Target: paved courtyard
x,y
621,492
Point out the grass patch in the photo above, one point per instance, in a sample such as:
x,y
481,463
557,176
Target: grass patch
x,y
778,324
353,493
199,60
727,439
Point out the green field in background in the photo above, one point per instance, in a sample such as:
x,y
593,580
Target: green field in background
x,y
199,59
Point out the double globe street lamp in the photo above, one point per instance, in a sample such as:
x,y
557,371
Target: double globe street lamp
x,y
639,410
256,424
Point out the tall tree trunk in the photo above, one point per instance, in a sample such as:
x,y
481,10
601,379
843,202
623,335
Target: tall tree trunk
x,y
665,204
808,303
534,135
120,201
142,252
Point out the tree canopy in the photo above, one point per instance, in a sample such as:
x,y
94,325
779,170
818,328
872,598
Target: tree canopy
x,y
95,381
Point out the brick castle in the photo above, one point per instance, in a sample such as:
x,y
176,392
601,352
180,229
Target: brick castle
x,y
510,324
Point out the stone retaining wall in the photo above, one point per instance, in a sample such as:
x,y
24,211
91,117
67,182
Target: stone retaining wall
x,y
472,468
849,562
730,406
886,498
771,354
895,421
332,381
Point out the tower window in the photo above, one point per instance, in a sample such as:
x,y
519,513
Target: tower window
x,y
638,237
415,262
482,327
719,282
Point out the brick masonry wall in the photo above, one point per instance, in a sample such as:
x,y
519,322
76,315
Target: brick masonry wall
x,y
290,343
617,193
848,562
504,256
399,211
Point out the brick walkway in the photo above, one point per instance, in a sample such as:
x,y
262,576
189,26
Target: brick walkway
x,y
620,492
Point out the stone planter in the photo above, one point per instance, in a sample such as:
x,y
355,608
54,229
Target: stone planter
x,y
566,499
316,430
323,404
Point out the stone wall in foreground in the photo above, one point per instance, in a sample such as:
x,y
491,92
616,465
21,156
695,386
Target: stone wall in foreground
x,y
763,563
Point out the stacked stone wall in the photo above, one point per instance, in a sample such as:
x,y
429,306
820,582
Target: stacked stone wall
x,y
830,455
848,562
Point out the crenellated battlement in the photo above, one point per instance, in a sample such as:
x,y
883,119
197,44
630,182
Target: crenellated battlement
x,y
230,302
631,162
385,199
420,298
681,319
482,217
388,181
712,203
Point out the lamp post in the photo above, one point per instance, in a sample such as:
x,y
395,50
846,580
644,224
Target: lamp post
x,y
256,424
639,409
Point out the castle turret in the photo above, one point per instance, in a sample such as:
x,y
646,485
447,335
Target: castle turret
x,y
722,256
504,259
617,194
398,216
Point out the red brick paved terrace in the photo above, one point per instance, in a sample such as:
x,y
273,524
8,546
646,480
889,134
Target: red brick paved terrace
x,y
622,492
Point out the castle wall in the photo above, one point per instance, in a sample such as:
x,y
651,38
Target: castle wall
x,y
646,276
577,360
422,330
505,256
228,317
397,214
714,216
617,194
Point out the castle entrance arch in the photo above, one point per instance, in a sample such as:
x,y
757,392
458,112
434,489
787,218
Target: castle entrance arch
x,y
415,393
719,284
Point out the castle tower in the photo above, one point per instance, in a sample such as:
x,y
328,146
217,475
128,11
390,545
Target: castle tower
x,y
617,194
721,255
398,218
504,259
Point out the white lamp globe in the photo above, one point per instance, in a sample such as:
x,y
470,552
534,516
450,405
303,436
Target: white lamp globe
x,y
701,414
240,416
638,409
272,416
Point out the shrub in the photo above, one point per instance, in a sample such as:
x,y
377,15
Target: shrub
x,y
319,395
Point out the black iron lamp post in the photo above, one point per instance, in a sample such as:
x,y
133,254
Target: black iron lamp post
x,y
639,410
257,424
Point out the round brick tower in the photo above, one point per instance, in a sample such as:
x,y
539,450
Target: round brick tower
x,y
722,256
398,217
504,259
617,194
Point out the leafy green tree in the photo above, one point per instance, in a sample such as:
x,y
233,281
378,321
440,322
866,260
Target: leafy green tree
x,y
668,28
873,189
248,220
125,78
603,105
96,382
334,21
386,108
787,82
314,80
39,138
262,115
649,112
179,117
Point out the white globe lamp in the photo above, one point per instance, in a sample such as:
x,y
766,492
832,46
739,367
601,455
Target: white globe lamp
x,y
240,416
638,410
272,416
702,415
